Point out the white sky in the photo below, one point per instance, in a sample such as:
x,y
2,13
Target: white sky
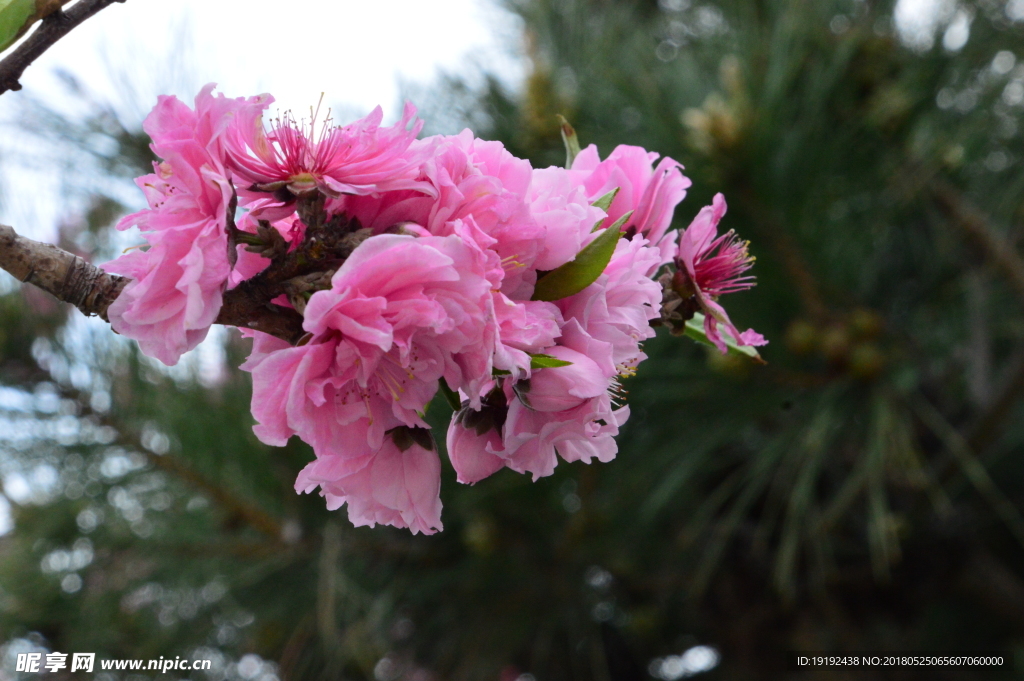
x,y
355,52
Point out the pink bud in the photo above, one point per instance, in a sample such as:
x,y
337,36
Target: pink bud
x,y
472,454
561,388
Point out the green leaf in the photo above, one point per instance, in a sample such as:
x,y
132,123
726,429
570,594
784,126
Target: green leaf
x,y
541,361
450,395
500,372
15,18
695,330
605,202
582,271
572,143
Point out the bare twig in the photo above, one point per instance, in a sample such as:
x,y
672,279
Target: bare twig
x,y
54,26
71,279
234,506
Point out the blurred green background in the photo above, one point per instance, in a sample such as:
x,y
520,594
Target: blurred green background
x,y
863,491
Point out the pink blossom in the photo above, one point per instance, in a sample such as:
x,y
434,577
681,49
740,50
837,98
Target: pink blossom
x,y
401,313
708,266
562,388
397,484
471,177
523,328
359,158
652,193
427,295
618,307
561,207
534,439
474,453
177,284
536,426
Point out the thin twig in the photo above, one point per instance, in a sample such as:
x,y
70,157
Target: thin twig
x,y
1002,253
990,423
252,515
973,470
976,225
71,279
789,254
53,27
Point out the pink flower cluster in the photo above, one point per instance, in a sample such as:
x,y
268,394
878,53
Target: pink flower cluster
x,y
451,234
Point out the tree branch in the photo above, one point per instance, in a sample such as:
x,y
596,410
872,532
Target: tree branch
x,y
54,26
976,226
64,275
1002,253
235,506
71,279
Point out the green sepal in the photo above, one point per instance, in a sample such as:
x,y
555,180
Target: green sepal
x,y
605,202
15,17
572,143
581,271
450,395
695,331
542,361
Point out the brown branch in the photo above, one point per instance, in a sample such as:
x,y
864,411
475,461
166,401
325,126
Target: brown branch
x,y
788,253
989,425
64,275
54,26
1002,253
71,279
253,516
975,472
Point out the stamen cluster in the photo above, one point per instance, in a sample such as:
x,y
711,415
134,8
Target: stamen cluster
x,y
416,267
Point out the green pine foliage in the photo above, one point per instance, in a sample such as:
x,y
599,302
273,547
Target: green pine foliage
x,y
862,491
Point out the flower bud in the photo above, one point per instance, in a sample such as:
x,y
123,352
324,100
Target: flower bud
x,y
561,388
472,453
474,438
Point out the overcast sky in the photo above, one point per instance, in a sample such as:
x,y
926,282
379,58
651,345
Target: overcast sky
x,y
354,52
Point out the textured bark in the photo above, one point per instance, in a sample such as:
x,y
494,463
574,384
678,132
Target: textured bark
x,y
61,274
71,279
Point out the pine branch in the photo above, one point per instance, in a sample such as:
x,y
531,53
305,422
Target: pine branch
x,y
71,279
54,26
254,516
